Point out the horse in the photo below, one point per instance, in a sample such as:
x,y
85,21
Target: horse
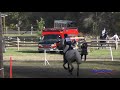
x,y
72,56
103,37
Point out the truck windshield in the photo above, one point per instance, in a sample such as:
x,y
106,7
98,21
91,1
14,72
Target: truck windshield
x,y
49,37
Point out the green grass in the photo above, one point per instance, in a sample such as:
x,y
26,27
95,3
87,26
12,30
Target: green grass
x,y
104,53
31,53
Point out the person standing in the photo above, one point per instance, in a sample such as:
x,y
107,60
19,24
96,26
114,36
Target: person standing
x,y
84,51
115,37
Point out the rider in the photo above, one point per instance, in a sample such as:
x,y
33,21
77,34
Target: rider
x,y
67,42
103,32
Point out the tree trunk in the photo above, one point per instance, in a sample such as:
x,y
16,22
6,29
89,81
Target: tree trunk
x,y
1,50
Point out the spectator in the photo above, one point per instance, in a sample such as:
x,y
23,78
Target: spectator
x,y
84,50
115,37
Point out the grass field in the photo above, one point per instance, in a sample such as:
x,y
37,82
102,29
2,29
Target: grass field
x,y
28,63
31,54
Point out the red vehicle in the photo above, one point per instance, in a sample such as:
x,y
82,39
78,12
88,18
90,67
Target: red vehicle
x,y
53,38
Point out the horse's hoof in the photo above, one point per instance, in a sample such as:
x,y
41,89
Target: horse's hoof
x,y
70,73
65,68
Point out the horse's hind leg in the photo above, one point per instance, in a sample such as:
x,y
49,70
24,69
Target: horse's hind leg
x,y
68,66
77,69
70,70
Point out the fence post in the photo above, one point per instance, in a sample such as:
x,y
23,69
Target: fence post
x,y
8,40
108,42
6,29
111,53
31,29
97,42
18,43
45,58
18,30
24,41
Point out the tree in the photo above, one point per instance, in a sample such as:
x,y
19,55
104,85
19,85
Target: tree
x,y
41,25
1,50
87,22
16,17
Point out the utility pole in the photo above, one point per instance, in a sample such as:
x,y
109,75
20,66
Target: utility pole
x,y
4,26
1,50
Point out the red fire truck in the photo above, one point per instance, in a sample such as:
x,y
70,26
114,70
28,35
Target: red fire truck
x,y
53,38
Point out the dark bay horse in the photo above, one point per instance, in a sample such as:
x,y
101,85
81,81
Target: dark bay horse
x,y
104,37
72,56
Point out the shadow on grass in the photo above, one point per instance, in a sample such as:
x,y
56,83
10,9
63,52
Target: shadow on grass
x,y
31,51
28,51
53,71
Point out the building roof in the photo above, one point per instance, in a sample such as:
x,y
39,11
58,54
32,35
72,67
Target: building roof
x,y
63,21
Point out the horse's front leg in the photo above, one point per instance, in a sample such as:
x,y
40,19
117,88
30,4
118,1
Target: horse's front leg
x,y
77,69
65,61
64,65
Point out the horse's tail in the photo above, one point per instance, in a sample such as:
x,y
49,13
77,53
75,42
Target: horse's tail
x,y
78,57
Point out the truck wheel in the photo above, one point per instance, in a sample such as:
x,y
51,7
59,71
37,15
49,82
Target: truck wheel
x,y
57,51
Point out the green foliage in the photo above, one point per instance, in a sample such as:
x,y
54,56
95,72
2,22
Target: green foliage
x,y
12,26
87,22
41,24
16,17
39,33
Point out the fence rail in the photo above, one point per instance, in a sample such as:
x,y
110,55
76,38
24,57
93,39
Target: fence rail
x,y
17,42
108,43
